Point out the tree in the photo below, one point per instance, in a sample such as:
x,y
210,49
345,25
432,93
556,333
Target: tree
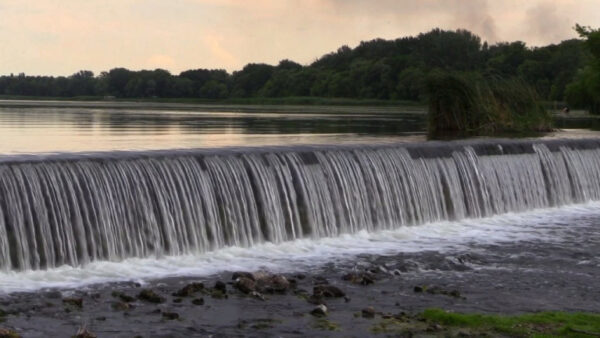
x,y
584,91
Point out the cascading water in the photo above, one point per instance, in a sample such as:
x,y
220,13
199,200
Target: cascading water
x,y
75,209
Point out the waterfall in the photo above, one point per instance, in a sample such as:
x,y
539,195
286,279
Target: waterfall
x,y
77,208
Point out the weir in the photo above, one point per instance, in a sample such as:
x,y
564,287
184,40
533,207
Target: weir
x,y
77,208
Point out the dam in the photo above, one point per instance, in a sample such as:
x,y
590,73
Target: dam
x,y
74,209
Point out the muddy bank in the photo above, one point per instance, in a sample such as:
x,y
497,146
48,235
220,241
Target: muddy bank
x,y
358,296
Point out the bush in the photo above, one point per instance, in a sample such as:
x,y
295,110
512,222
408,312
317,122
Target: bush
x,y
465,104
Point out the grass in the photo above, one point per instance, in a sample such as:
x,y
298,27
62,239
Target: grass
x,y
542,324
528,325
466,104
326,325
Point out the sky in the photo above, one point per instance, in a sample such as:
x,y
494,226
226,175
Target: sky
x,y
61,37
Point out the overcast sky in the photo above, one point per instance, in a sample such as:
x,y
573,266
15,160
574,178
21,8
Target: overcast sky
x,y
60,37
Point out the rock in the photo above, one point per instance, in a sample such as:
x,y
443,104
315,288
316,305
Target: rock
x,y
359,278
454,293
299,276
319,311
170,315
124,297
418,289
245,284
238,274
368,312
84,333
272,284
220,286
121,306
150,296
257,295
328,291
8,333
318,280
217,294
198,301
189,290
76,302
434,328
177,300
261,275
279,283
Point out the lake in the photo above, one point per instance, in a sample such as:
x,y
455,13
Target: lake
x,y
56,126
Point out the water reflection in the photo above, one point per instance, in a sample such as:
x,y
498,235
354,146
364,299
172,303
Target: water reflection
x,y
31,128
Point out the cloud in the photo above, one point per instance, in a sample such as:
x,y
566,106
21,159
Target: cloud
x,y
160,61
61,37
546,24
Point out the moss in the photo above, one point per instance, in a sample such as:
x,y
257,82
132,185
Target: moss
x,y
326,325
260,323
528,325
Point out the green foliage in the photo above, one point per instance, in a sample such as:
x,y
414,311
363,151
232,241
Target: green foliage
x,y
584,91
374,70
468,104
539,324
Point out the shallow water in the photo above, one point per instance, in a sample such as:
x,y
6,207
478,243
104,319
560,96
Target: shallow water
x,y
566,225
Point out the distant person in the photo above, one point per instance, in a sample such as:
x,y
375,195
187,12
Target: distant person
x,y
566,110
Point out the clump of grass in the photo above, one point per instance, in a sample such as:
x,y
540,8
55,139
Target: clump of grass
x,y
538,324
326,325
469,104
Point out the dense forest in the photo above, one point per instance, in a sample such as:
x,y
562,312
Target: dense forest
x,y
376,69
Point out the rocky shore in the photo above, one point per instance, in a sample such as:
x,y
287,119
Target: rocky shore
x,y
370,295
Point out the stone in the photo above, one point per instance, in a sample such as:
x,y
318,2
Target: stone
x,y
329,291
84,333
318,280
299,276
8,333
368,312
198,301
238,274
189,290
257,295
454,293
319,311
220,286
245,284
150,296
121,306
122,296
359,278
170,315
76,302
418,289
279,283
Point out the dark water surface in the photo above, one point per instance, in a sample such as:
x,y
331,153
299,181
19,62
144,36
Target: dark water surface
x,y
49,126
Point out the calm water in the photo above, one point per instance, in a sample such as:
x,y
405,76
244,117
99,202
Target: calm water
x,y
47,126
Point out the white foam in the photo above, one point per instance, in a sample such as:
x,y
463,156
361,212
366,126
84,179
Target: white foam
x,y
302,255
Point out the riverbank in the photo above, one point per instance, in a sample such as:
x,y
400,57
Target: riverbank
x,y
369,295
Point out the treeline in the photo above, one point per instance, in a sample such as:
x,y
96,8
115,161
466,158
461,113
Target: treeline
x,y
377,69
